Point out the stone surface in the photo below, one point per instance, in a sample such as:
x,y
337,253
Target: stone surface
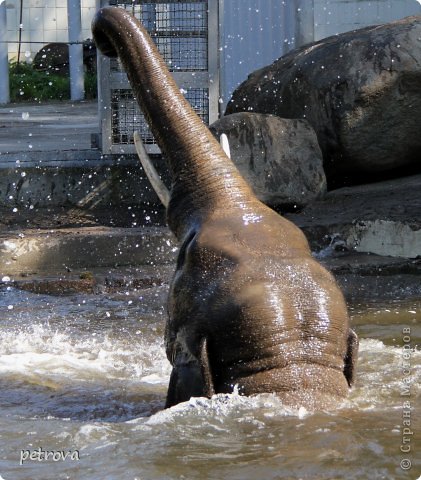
x,y
280,158
382,218
83,187
54,57
360,91
386,237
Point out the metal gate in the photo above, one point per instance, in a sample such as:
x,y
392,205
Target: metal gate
x,y
186,34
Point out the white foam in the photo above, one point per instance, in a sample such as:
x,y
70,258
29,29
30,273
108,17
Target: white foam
x,y
233,406
42,351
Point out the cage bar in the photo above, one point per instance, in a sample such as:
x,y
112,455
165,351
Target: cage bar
x,y
186,34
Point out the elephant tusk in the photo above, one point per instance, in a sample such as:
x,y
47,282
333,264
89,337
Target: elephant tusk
x,y
223,140
156,182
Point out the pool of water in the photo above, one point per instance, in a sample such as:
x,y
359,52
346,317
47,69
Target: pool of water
x,y
83,380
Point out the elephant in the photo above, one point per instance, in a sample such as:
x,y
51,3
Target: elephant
x,y
249,309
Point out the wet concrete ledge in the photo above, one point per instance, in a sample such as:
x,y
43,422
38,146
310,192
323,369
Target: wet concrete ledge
x,y
84,179
41,252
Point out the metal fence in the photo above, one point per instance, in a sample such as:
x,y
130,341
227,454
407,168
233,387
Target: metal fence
x,y
186,34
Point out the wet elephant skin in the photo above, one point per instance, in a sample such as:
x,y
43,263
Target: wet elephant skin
x,y
249,308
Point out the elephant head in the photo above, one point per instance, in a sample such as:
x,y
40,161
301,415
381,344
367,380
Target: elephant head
x,y
248,305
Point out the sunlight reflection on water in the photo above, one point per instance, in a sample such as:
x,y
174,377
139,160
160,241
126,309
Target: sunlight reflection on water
x,y
73,377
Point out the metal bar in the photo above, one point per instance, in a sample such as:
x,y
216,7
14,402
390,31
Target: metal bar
x,y
213,60
184,79
178,33
186,33
4,61
77,87
104,103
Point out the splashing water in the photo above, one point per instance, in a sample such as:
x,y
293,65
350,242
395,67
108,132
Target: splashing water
x,y
89,374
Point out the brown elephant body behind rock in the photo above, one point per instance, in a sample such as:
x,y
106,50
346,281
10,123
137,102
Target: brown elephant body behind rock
x,y
248,307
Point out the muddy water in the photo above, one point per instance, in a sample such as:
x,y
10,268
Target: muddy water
x,y
83,382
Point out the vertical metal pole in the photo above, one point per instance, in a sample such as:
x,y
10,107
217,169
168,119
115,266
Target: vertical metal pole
x,y
4,60
104,79
304,25
222,100
77,88
213,50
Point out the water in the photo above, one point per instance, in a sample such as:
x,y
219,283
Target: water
x,y
86,375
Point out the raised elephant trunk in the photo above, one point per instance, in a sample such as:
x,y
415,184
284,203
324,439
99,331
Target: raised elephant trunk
x,y
248,304
198,165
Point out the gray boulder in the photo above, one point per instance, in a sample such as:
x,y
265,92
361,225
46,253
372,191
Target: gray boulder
x,y
360,91
280,158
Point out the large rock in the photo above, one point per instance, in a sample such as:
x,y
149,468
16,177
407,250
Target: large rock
x,y
280,158
360,91
54,57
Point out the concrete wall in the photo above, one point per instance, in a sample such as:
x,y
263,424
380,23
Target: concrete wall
x,y
257,32
254,32
43,21
336,16
252,36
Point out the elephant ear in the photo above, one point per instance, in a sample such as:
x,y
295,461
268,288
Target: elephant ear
x,y
351,357
190,376
209,388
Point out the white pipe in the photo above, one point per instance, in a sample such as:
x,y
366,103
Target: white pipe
x,y
77,87
4,57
